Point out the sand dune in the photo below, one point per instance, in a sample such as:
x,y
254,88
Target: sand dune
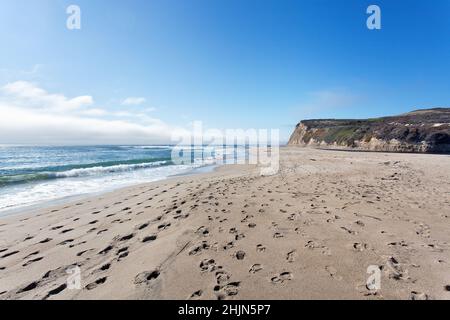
x,y
311,231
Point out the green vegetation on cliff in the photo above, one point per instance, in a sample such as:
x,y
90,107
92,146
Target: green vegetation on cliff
x,y
425,130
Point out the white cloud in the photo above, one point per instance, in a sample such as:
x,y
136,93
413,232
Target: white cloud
x,y
31,115
30,95
95,112
133,101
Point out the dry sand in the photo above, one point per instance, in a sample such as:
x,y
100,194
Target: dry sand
x,y
309,232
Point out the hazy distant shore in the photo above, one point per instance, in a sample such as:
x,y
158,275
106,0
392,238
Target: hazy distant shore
x,y
310,231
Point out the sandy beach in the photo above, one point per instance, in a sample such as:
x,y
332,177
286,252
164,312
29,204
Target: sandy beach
x,y
309,232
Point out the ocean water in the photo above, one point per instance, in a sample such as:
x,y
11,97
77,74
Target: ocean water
x,y
35,175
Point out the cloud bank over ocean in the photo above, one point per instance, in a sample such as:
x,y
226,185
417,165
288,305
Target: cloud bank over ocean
x,y
31,115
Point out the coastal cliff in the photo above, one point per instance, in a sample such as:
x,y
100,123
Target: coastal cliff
x,y
421,131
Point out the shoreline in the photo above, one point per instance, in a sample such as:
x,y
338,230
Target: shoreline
x,y
309,232
195,171
79,197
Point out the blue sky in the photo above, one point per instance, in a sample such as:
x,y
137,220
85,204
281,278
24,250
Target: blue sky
x,y
229,63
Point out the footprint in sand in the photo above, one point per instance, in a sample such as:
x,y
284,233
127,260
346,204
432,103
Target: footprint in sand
x,y
255,268
398,244
163,226
146,277
357,246
149,238
101,231
333,273
207,265
260,248
126,238
9,254
199,248
29,287
65,242
142,226
228,246
96,283
360,223
281,278
240,255
31,254
56,291
105,267
222,277
423,230
79,254
196,295
314,246
203,231
239,236
32,261
158,218
122,253
106,250
230,289
419,296
278,235
395,270
349,231
290,257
